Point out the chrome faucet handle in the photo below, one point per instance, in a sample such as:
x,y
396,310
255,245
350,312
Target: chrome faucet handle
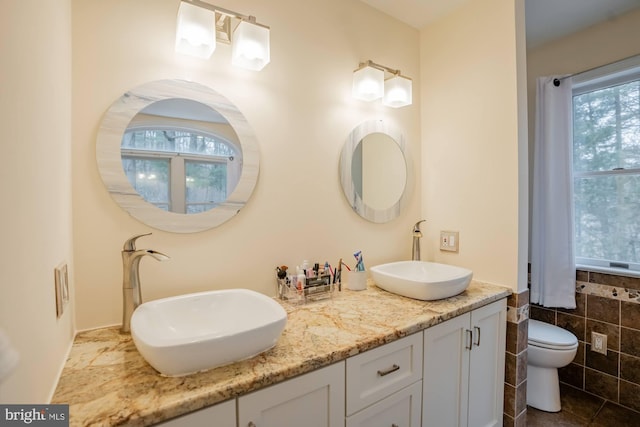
x,y
416,227
130,244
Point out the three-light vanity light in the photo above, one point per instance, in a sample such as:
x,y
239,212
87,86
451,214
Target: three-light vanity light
x,y
369,84
200,25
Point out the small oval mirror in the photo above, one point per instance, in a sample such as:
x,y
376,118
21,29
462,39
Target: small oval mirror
x,y
374,171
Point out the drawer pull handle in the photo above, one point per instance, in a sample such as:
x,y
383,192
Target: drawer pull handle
x,y
388,371
469,339
395,425
251,424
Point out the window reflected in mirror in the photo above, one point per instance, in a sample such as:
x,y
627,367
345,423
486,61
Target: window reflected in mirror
x,y
176,156
150,178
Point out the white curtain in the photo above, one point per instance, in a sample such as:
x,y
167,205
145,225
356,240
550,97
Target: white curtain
x,y
553,270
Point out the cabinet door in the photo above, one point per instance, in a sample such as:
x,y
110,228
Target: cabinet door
x,y
446,373
486,373
315,399
401,409
220,415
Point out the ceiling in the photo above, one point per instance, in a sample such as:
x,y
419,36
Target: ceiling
x,y
546,19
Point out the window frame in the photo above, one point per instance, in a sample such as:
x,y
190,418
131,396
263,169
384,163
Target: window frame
x,y
618,73
177,170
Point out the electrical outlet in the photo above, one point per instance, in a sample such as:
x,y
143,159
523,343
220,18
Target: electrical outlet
x,y
449,241
598,343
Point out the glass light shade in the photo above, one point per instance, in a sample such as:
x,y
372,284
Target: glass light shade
x,y
397,92
368,84
195,31
250,46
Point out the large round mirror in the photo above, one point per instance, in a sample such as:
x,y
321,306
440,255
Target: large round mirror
x,y
177,156
374,171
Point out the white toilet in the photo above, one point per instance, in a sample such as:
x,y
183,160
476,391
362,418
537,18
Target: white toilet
x,y
550,347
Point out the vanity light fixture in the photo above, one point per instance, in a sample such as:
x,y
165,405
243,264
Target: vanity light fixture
x,y
195,31
397,91
201,24
250,47
369,84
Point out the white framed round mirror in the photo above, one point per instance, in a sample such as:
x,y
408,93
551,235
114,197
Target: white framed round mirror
x,y
177,155
374,171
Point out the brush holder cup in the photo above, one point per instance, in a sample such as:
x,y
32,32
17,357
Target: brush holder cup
x,y
356,280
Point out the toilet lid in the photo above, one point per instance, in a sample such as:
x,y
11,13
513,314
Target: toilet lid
x,y
550,336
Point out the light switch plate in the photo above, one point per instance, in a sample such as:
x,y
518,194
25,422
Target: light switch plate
x,y
449,241
61,278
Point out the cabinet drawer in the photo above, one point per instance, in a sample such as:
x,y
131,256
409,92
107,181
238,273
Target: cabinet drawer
x,y
219,415
377,373
401,409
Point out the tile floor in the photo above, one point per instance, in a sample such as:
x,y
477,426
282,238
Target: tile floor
x,y
581,409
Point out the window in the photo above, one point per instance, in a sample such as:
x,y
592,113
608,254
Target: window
x,y
181,171
150,178
606,165
206,185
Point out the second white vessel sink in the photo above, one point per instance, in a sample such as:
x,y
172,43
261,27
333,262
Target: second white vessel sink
x,y
194,332
421,280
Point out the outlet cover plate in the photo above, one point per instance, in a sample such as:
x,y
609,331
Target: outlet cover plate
x,y
449,241
598,343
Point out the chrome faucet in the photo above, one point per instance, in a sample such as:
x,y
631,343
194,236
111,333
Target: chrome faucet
x,y
417,234
131,292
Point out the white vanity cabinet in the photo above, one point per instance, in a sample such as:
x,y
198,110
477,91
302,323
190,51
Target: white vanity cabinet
x,y
463,377
451,374
384,385
315,399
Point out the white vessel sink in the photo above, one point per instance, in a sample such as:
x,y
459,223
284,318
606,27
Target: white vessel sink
x,y
195,332
421,280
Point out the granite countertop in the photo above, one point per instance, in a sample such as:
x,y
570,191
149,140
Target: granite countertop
x,y
107,382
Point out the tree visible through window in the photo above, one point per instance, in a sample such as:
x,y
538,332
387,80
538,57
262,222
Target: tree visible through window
x,y
606,159
177,170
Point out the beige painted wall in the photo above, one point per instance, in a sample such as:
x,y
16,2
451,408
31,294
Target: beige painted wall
x,y
35,183
598,45
301,110
474,171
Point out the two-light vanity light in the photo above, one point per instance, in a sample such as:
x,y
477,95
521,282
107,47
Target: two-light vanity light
x,y
201,24
369,84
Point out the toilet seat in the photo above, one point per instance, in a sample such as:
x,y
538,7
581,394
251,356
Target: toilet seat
x,y
545,335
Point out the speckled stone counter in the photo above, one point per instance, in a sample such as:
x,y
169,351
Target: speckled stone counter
x,y
107,382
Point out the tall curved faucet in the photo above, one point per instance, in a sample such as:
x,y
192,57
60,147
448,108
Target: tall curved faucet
x,y
417,234
131,292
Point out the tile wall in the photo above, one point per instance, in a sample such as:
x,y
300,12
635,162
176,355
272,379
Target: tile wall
x,y
610,305
515,377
